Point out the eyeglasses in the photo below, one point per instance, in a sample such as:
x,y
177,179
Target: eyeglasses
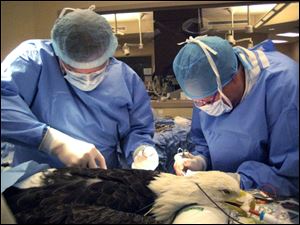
x,y
203,102
89,72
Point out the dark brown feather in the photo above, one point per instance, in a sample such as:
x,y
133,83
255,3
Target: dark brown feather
x,y
77,195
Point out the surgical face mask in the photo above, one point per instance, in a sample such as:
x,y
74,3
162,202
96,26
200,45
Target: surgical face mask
x,y
85,82
217,108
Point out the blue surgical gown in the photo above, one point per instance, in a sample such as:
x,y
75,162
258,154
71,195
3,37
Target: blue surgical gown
x,y
259,138
34,95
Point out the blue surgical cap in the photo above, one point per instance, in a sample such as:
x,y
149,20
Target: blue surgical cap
x,y
193,71
83,39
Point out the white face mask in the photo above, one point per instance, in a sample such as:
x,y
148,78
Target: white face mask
x,y
216,109
85,82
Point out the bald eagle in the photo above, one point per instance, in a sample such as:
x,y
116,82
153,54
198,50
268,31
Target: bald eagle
x,y
93,196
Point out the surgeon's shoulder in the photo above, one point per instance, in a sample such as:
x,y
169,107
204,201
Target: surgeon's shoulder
x,y
38,45
280,61
34,44
282,67
281,78
31,50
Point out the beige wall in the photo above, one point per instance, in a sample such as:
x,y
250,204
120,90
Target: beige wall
x,y
17,24
290,49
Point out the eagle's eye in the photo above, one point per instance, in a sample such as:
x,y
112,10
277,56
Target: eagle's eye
x,y
225,191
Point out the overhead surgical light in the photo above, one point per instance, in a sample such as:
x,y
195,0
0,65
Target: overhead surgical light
x,y
122,17
288,34
248,29
279,41
140,45
126,49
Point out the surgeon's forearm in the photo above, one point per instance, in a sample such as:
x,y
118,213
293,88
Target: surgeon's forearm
x,y
256,175
18,124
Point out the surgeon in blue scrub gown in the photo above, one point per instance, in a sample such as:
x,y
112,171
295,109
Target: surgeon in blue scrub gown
x,y
246,112
68,102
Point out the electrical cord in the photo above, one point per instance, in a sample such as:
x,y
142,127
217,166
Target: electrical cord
x,y
218,205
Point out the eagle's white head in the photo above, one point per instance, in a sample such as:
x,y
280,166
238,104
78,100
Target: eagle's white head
x,y
174,192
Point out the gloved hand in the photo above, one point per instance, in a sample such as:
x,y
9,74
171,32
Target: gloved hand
x,y
188,161
145,157
71,151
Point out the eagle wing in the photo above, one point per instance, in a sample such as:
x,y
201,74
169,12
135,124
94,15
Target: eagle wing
x,y
73,194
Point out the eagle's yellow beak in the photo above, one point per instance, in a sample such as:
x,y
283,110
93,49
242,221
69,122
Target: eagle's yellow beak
x,y
242,203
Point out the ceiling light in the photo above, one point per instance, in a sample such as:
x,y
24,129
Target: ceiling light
x,y
288,34
255,9
279,41
122,16
261,8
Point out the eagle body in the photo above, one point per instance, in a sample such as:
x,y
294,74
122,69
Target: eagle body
x,y
81,195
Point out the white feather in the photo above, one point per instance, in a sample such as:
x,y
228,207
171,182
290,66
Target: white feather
x,y
35,180
174,192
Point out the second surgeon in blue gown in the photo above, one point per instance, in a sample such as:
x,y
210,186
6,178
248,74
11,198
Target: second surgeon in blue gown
x,y
68,102
246,112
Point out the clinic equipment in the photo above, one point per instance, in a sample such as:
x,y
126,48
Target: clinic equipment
x,y
267,218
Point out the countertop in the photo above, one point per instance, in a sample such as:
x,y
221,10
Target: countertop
x,y
172,104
